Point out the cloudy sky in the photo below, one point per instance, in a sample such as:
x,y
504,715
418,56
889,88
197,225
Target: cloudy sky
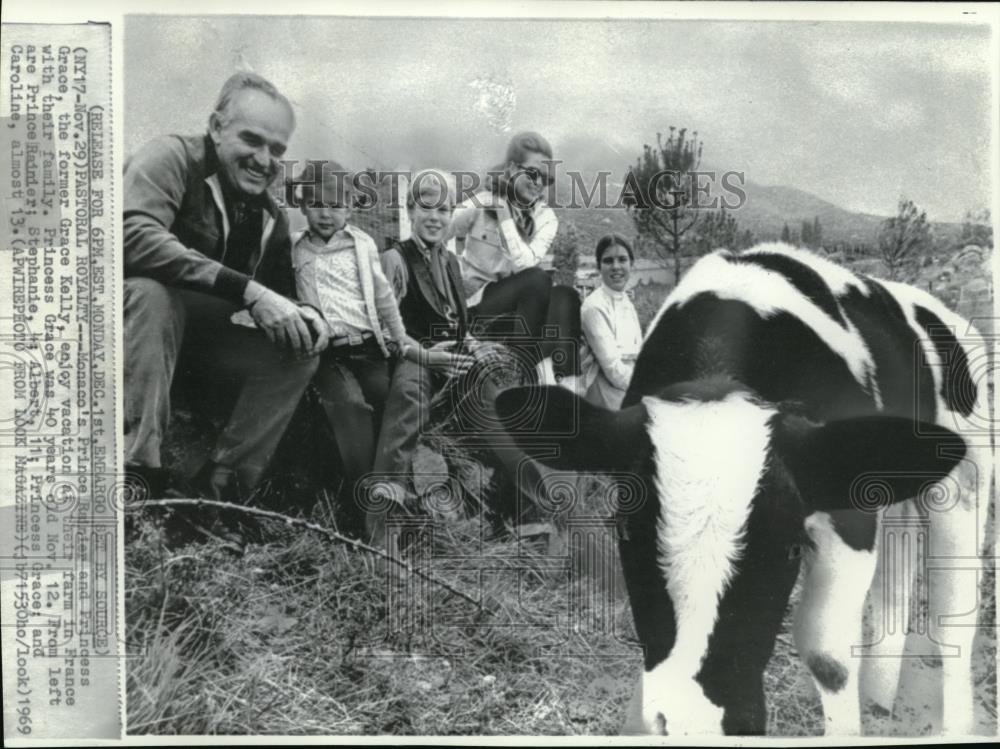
x,y
857,113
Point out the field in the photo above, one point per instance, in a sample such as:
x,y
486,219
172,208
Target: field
x,y
301,635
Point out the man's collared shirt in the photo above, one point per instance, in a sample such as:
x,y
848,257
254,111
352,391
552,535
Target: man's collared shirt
x,y
246,225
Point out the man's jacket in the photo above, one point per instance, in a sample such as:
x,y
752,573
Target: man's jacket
x,y
175,225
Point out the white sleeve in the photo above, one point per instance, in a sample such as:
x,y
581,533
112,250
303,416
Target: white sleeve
x,y
385,298
607,351
529,254
394,270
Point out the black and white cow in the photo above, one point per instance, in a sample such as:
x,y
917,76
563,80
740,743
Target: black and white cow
x,y
783,403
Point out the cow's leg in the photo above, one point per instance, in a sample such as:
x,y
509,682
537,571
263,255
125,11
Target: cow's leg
x,y
749,716
889,602
838,570
955,536
750,617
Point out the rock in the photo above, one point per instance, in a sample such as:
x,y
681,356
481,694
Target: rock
x,y
429,470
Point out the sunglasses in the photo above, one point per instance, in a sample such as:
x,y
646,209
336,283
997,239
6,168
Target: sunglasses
x,y
535,175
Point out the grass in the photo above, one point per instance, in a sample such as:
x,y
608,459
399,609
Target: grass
x,y
303,637
299,637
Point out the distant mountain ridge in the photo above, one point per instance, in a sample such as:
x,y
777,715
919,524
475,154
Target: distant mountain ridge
x,y
768,208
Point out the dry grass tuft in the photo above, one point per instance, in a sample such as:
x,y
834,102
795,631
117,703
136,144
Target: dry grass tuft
x,y
299,637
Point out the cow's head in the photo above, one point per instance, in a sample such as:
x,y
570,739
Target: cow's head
x,y
711,555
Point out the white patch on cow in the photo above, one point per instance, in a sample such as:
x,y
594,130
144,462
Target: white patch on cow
x,y
769,293
679,699
907,297
968,337
840,280
710,456
961,531
827,625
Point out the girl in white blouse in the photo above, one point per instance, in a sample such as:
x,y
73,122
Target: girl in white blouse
x,y
611,329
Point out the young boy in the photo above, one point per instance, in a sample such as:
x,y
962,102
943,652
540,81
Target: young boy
x,y
427,280
337,270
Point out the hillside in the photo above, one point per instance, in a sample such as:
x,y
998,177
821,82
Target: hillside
x,y
767,209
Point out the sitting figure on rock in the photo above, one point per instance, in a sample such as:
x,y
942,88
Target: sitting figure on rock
x,y
427,280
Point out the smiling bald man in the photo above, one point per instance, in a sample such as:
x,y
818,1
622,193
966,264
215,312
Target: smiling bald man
x,y
204,240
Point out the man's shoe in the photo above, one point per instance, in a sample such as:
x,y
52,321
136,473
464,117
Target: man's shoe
x,y
216,482
219,483
387,499
142,483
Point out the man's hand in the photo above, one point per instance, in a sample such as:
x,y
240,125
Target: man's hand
x,y
319,327
283,321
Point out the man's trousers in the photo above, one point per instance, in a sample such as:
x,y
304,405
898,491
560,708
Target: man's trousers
x,y
164,325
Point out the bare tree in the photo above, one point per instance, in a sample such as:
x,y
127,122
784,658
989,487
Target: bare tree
x,y
660,184
903,236
977,228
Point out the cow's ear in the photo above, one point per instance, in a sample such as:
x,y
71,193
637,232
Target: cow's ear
x,y
588,438
865,462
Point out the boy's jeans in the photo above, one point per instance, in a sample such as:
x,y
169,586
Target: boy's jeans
x,y
352,383
406,414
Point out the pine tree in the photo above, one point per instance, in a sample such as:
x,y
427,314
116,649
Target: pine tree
x,y
806,234
658,193
786,236
903,236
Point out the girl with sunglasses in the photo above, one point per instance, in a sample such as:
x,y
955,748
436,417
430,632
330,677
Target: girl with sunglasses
x,y
502,234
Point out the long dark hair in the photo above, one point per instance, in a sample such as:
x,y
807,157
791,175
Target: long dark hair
x,y
610,240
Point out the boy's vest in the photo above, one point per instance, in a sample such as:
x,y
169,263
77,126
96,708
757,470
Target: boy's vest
x,y
423,309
